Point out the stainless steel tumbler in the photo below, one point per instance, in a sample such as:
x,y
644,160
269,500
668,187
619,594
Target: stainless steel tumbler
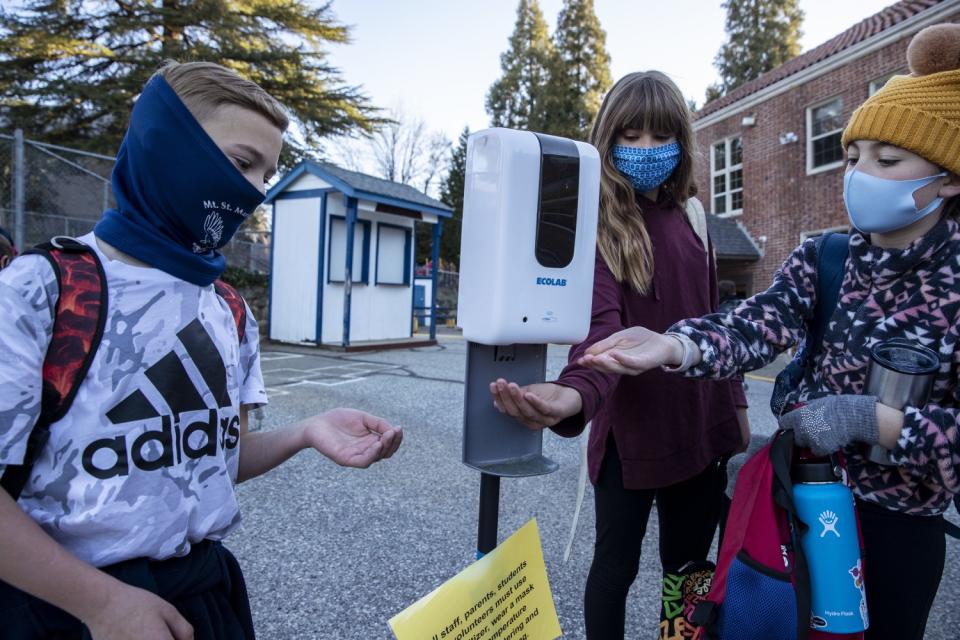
x,y
900,374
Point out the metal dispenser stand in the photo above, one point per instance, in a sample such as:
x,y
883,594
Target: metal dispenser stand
x,y
494,444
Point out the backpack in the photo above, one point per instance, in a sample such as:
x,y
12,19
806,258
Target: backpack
x,y
78,324
761,587
697,218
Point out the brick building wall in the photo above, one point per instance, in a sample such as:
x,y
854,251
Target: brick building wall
x,y
780,199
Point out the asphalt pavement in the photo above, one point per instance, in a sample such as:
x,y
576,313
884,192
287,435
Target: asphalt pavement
x,y
333,553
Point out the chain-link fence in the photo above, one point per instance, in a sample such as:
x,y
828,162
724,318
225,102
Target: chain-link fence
x,y
448,283
448,287
249,255
63,191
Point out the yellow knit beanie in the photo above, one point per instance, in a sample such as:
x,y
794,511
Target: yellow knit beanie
x,y
919,112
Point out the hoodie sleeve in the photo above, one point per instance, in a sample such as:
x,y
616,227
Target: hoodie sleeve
x,y
593,386
759,329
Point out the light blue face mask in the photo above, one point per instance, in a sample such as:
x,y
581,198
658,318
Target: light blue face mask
x,y
646,168
880,205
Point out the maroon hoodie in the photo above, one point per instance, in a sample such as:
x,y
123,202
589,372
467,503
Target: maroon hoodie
x,y
667,428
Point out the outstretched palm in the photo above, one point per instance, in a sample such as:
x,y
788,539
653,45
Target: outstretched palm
x,y
353,438
536,405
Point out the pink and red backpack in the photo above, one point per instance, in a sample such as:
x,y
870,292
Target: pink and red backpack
x,y
761,586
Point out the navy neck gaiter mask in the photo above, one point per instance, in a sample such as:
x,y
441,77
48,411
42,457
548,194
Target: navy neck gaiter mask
x,y
179,198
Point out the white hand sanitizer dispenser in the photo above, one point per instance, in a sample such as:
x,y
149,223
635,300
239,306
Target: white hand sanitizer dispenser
x,y
529,238
526,279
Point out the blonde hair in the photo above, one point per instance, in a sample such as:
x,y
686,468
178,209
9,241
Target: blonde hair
x,y
649,101
204,87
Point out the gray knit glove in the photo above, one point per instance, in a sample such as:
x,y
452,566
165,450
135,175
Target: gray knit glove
x,y
828,424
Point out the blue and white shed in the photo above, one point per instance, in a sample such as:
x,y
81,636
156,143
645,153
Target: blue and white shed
x,y
342,255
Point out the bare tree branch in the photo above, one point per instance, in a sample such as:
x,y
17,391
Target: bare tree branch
x,y
406,151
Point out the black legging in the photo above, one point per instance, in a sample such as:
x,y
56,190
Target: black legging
x,y
688,514
904,558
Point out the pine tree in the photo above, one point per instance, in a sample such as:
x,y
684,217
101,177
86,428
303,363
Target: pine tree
x,y
518,99
761,35
70,69
581,73
451,193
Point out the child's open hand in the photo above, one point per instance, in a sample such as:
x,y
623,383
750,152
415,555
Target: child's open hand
x,y
633,351
535,406
136,614
352,438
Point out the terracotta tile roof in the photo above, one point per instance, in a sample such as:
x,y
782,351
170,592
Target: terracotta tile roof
x,y
863,30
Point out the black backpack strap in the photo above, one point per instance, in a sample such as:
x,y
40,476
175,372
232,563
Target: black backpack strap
x,y
78,326
238,309
951,529
832,249
781,459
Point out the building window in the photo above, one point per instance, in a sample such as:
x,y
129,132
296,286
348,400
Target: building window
x,y
876,85
824,129
394,259
337,251
726,177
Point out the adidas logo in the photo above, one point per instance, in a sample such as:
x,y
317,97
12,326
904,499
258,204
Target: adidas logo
x,y
111,457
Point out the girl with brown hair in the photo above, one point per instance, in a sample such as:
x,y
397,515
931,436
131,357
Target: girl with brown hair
x,y
658,438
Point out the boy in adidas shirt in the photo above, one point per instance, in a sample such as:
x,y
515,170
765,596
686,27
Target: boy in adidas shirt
x,y
118,527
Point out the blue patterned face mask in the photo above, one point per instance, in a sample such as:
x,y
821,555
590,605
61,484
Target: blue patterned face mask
x,y
647,168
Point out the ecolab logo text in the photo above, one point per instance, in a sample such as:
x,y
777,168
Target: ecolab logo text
x,y
551,282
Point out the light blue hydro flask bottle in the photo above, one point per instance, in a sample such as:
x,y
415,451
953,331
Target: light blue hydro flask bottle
x,y
831,546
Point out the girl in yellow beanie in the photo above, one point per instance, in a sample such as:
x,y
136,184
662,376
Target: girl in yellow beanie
x,y
901,281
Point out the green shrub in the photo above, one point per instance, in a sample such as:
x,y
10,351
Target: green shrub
x,y
242,278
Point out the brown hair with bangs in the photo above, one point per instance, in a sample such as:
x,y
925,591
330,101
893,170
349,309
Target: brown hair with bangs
x,y
204,87
649,101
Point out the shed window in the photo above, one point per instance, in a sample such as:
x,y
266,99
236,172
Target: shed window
x,y
393,254
337,251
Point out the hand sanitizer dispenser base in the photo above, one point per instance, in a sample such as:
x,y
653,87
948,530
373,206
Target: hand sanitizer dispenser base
x,y
495,443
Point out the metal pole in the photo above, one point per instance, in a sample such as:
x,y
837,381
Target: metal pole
x,y
489,514
351,222
18,196
435,256
106,196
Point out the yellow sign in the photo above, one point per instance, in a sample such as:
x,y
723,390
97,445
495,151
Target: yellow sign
x,y
503,596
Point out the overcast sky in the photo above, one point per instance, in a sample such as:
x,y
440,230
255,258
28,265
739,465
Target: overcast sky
x,y
437,58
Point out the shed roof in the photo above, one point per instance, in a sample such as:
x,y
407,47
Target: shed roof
x,y
863,30
362,185
731,240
